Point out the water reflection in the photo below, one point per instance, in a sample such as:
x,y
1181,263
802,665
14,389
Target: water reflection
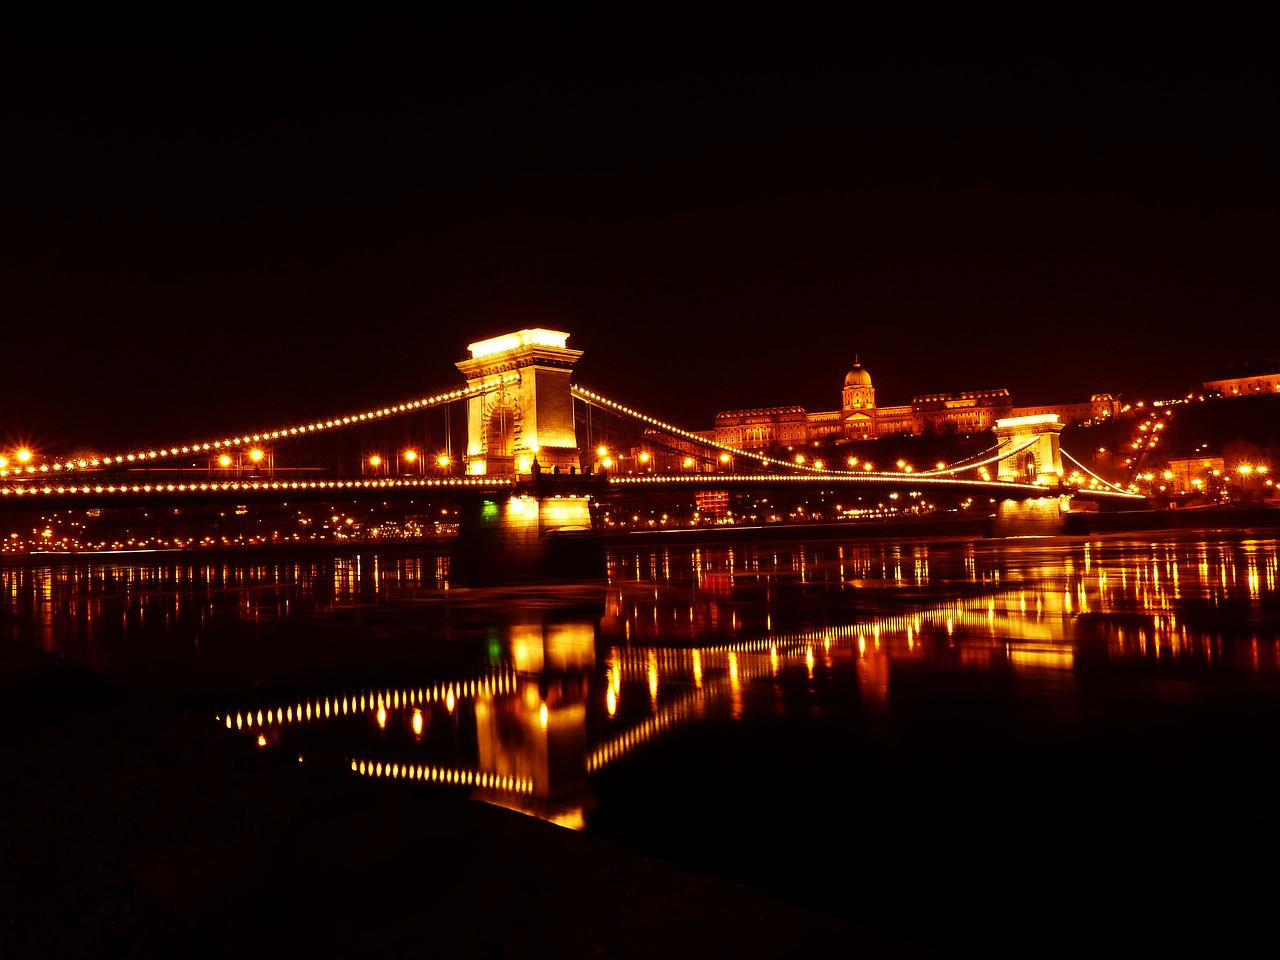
x,y
524,697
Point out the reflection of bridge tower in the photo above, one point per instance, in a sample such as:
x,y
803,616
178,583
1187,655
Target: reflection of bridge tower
x,y
538,733
509,425
1029,451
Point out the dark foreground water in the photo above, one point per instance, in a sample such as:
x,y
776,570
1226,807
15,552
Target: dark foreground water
x,y
1008,748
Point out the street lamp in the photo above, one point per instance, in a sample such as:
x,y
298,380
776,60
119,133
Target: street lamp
x,y
1245,470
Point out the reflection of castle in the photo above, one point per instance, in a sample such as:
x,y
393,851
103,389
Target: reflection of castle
x,y
968,412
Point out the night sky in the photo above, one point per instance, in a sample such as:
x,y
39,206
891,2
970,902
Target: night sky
x,y
211,227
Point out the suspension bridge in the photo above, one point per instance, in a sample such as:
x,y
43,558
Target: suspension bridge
x,y
534,453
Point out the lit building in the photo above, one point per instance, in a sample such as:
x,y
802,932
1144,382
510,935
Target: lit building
x,y
1246,380
859,417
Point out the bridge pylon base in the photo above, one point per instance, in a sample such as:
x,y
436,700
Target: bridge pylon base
x,y
523,539
1041,517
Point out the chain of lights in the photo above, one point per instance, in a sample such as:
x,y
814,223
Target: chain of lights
x,y
992,455
287,432
365,700
1107,483
255,486
669,717
887,480
452,775
588,396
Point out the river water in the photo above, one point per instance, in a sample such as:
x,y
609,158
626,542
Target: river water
x,y
1023,747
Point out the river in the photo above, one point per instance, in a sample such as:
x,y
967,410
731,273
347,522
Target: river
x,y
1019,747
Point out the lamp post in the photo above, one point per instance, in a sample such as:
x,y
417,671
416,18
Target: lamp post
x,y
1245,470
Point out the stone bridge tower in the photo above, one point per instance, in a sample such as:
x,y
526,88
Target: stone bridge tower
x,y
524,413
1029,451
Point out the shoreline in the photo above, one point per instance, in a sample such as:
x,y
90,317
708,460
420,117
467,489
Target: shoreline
x,y
948,526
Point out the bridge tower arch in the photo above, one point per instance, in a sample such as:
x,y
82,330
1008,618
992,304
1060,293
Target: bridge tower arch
x,y
1029,449
523,411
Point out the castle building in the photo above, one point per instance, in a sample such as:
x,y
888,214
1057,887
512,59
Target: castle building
x,y
1246,380
859,417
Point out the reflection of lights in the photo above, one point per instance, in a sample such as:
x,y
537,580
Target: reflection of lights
x,y
418,771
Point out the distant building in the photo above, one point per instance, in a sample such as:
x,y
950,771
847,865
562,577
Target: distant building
x,y
859,418
1246,380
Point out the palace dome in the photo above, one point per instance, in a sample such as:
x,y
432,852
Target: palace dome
x,y
857,377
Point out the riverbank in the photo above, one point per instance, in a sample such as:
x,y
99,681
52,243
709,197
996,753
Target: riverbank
x,y
934,526
134,827
948,525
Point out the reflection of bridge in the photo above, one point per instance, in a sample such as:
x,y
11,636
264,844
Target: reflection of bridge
x,y
561,708
531,470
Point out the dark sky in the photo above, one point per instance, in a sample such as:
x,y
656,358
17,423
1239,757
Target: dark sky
x,y
212,227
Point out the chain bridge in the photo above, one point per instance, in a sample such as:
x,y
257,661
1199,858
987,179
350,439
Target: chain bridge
x,y
528,455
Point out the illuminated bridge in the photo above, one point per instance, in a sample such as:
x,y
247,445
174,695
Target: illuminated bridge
x,y
519,445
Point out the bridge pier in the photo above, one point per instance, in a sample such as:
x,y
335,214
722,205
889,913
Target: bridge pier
x,y
533,535
1040,517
